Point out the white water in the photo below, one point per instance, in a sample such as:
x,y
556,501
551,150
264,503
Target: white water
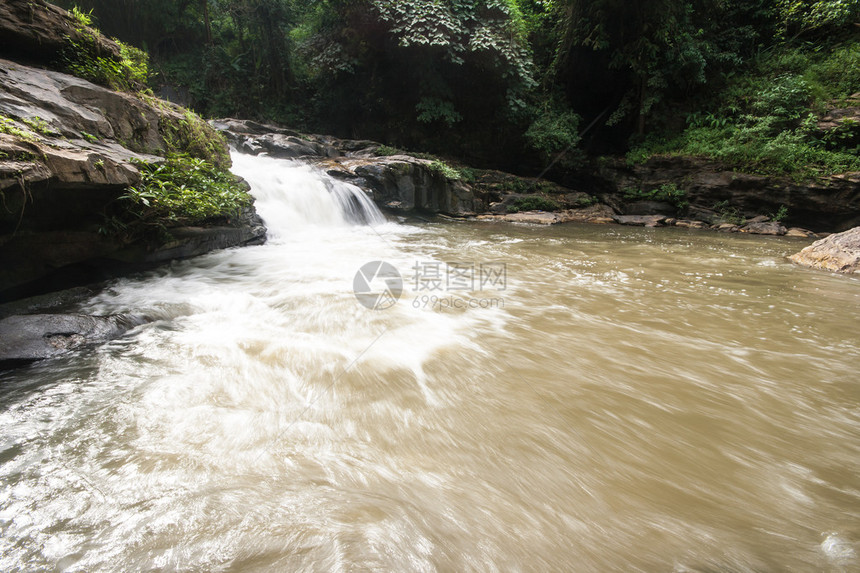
x,y
644,400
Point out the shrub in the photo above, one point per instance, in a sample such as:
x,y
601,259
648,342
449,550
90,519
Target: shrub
x,y
182,190
85,58
533,203
445,170
667,193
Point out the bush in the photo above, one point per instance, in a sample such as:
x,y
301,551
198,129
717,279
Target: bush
x,y
533,203
84,58
553,133
445,170
181,191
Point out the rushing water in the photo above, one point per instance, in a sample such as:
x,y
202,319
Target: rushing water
x,y
619,399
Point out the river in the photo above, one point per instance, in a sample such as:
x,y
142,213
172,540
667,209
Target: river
x,y
565,398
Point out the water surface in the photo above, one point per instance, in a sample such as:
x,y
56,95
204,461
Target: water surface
x,y
625,399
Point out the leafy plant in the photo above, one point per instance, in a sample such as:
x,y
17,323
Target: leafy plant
x,y
553,133
666,193
182,190
533,203
39,125
8,125
727,213
386,151
445,170
84,56
780,214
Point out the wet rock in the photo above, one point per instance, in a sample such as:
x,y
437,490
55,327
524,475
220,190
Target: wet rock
x,y
726,228
839,252
70,156
827,203
26,338
798,232
649,208
764,228
535,217
591,214
687,224
641,220
601,220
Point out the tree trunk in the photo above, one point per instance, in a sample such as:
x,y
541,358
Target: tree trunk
x,y
206,20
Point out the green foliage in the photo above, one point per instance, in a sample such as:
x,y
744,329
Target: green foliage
x,y
9,126
39,125
780,214
554,132
87,58
386,151
767,119
800,17
432,109
89,137
181,191
192,135
445,170
666,193
728,213
533,203
82,19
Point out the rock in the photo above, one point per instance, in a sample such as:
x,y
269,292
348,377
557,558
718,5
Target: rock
x,y
687,224
798,232
700,214
757,219
26,338
39,32
649,208
641,220
75,157
764,228
828,203
535,217
726,228
839,252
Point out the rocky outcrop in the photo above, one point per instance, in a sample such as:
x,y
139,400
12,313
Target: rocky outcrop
x,y
831,203
839,253
26,338
67,152
37,32
599,214
399,183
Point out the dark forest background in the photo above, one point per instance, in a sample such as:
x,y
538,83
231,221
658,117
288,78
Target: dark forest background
x,y
513,84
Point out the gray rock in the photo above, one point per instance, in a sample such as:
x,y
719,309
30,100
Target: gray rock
x,y
764,228
649,208
839,252
58,180
641,220
26,338
687,224
824,203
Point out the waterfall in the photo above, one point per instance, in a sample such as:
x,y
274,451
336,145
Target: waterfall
x,y
291,195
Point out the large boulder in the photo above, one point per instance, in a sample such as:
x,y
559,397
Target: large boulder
x,y
36,31
26,338
839,253
67,152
